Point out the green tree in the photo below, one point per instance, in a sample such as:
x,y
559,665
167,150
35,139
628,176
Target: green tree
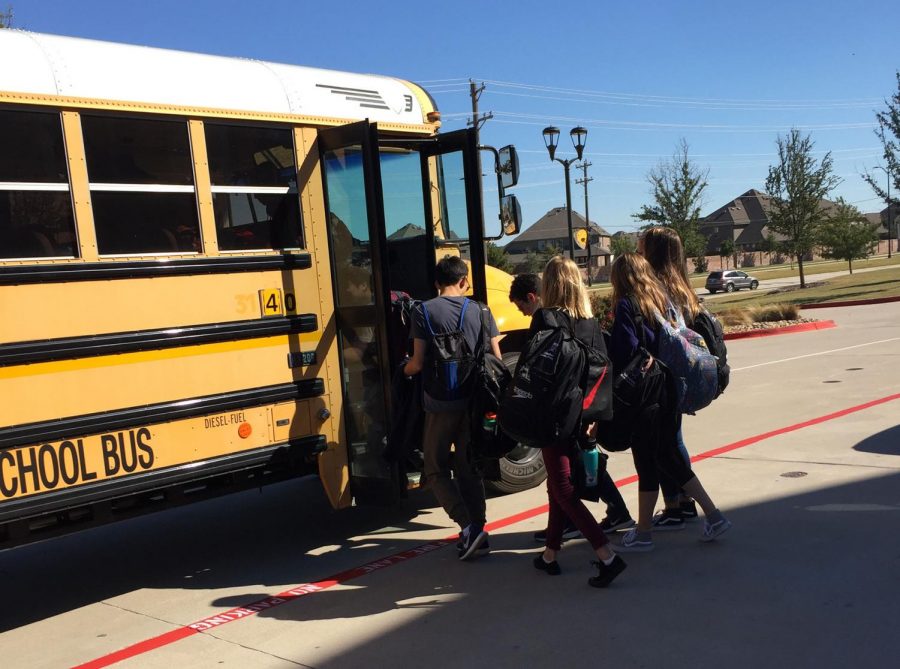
x,y
846,234
530,264
549,251
677,187
769,245
621,244
797,185
888,132
497,257
726,250
6,18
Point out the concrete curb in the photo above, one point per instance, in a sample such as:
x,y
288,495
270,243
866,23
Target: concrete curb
x,y
849,303
788,329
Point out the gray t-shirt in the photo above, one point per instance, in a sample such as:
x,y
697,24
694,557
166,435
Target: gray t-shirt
x,y
443,314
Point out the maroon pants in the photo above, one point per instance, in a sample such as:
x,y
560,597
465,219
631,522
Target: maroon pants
x,y
565,503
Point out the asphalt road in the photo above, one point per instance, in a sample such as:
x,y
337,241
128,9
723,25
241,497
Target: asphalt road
x,y
806,578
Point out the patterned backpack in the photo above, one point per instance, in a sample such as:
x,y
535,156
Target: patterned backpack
x,y
694,368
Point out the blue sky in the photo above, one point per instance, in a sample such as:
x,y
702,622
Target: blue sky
x,y
727,77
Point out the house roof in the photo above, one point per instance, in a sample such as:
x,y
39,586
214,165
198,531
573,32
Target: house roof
x,y
554,224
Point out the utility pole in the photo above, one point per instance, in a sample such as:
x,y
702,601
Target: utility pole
x,y
476,122
587,217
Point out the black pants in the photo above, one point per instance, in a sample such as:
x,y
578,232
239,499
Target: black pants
x,y
655,450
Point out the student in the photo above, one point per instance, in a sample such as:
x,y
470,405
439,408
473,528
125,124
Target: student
x,y
447,420
662,248
564,298
525,293
655,449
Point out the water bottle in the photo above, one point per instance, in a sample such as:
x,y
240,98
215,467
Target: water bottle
x,y
591,457
489,422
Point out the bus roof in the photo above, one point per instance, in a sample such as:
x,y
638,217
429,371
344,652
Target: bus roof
x,y
91,70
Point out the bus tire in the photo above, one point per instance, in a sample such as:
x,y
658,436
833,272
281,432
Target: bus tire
x,y
523,468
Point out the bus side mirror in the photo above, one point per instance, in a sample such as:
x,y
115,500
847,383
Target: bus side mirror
x,y
508,166
510,215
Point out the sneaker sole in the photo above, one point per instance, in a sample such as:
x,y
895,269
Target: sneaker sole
x,y
473,548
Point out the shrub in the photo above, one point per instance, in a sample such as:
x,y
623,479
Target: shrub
x,y
768,313
732,317
748,260
777,259
700,264
602,307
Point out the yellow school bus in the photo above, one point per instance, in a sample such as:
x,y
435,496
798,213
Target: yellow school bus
x,y
201,262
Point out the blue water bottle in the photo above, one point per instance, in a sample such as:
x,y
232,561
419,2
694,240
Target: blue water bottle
x,y
591,458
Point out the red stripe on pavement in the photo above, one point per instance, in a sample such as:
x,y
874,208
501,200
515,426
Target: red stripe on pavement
x,y
304,589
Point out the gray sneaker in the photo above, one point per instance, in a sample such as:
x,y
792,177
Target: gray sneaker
x,y
632,543
712,530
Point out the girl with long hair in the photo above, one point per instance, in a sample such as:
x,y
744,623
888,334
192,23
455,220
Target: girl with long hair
x,y
638,298
662,248
565,302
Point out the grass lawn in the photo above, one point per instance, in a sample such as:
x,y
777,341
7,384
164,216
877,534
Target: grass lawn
x,y
870,285
810,269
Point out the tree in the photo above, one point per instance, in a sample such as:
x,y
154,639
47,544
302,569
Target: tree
x,y
677,188
797,185
726,250
549,251
6,18
847,235
769,245
621,244
888,132
531,264
497,257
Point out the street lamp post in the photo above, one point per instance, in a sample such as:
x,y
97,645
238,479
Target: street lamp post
x,y
890,210
551,139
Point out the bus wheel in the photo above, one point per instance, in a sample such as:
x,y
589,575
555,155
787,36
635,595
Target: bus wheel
x,y
523,467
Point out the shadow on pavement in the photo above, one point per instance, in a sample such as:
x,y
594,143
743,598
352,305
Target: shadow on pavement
x,y
886,442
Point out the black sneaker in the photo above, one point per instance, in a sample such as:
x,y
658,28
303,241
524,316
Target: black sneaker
x,y
668,520
551,568
483,549
471,541
570,532
606,573
689,510
614,523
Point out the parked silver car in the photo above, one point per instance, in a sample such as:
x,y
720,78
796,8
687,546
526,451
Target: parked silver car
x,y
729,281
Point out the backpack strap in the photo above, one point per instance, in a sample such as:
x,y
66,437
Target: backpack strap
x,y
427,320
638,321
462,313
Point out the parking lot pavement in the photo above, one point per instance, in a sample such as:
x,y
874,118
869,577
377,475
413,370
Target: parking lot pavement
x,y
806,463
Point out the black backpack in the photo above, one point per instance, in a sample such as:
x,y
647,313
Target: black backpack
x,y
451,364
709,327
639,397
543,403
491,382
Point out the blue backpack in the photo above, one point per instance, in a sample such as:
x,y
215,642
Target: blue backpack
x,y
451,364
694,368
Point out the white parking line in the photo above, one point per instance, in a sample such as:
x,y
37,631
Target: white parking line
x,y
812,355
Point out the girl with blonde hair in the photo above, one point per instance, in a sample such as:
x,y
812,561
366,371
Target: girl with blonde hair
x,y
638,298
566,304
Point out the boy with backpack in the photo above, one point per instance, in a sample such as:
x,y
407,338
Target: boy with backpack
x,y
447,342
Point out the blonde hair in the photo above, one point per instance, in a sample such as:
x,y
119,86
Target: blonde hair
x,y
664,251
631,275
562,288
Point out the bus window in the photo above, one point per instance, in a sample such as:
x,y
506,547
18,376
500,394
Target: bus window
x,y
142,185
36,218
409,260
254,184
454,212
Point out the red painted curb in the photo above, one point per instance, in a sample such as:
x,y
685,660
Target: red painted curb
x,y
251,609
849,303
787,329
